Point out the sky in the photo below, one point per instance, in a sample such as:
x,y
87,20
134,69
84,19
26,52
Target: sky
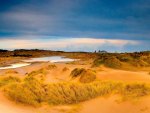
x,y
75,25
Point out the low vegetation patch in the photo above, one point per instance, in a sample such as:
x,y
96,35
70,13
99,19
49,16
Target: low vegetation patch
x,y
77,72
11,72
38,74
52,66
65,69
121,60
40,71
8,80
33,91
84,75
112,62
134,90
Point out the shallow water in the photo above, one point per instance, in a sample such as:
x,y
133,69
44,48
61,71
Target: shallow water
x,y
41,59
17,65
50,59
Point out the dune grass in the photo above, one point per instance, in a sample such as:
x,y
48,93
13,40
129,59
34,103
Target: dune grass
x,y
134,90
77,72
33,91
8,80
121,60
84,75
11,72
40,71
52,66
108,61
65,69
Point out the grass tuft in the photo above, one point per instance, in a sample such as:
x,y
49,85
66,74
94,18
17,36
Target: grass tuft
x,y
65,69
111,62
52,66
11,72
8,79
85,75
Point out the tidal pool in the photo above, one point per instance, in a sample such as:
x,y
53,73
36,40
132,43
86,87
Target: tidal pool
x,y
50,59
16,65
27,62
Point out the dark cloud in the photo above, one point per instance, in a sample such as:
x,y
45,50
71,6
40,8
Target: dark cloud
x,y
109,19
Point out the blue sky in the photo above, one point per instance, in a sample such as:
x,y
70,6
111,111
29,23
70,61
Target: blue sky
x,y
75,25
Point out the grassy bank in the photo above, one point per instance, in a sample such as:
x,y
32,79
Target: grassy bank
x,y
34,91
123,60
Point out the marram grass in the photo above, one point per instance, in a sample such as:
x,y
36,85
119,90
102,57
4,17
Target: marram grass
x,y
84,75
33,91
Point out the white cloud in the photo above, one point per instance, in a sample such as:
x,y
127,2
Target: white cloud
x,y
69,44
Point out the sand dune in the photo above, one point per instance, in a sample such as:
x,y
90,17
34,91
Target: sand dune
x,y
111,105
98,105
121,75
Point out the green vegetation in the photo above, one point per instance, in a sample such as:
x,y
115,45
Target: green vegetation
x,y
121,60
85,75
108,61
39,53
34,91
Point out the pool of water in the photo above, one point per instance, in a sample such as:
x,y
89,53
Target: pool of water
x,y
53,59
17,65
50,59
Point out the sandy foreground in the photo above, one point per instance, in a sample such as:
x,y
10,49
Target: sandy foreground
x,y
111,104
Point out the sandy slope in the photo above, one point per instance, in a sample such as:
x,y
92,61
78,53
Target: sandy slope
x,y
111,105
121,75
7,106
